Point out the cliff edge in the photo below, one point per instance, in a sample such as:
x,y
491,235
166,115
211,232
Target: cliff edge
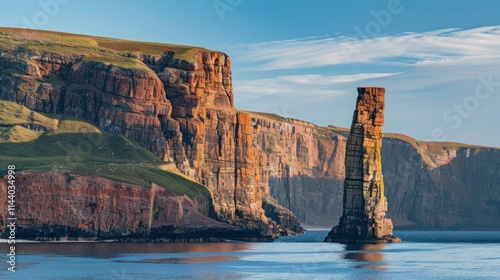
x,y
176,101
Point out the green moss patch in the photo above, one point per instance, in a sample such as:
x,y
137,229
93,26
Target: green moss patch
x,y
80,147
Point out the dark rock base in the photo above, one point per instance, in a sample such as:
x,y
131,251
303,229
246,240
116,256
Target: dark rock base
x,y
360,240
164,234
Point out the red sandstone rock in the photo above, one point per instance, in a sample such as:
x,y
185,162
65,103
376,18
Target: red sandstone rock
x,y
93,204
181,111
364,202
302,166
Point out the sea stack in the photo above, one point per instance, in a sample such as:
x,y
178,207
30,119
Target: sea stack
x,y
365,205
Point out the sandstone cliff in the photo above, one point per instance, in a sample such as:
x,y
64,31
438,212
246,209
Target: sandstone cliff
x,y
53,205
302,167
98,205
442,186
429,185
175,101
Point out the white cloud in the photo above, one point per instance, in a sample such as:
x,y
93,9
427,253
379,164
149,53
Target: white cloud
x,y
311,84
441,71
434,46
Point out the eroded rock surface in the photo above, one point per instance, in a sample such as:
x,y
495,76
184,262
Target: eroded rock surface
x,y
443,186
49,201
364,202
180,109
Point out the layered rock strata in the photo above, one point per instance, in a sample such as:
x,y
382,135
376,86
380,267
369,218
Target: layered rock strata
x,y
180,109
443,186
98,207
58,205
299,163
364,202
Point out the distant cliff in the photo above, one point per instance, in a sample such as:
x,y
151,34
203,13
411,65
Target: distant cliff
x,y
442,185
428,185
177,102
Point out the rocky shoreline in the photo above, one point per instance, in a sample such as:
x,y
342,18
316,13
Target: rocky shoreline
x,y
164,234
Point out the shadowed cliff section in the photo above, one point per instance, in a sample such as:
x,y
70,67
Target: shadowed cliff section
x,y
458,192
432,185
300,167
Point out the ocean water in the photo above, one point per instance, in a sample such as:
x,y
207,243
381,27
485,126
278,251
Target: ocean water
x,y
421,255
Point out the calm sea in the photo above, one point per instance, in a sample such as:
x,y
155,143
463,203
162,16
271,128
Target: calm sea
x,y
422,255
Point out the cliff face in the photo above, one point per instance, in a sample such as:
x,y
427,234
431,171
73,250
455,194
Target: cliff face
x,y
458,188
180,107
93,206
430,185
127,101
211,141
301,167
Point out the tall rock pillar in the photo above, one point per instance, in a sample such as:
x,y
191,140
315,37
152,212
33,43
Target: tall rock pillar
x,y
365,205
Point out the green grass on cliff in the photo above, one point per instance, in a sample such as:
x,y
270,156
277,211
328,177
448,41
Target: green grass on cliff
x,y
118,52
81,148
269,116
428,150
17,134
12,114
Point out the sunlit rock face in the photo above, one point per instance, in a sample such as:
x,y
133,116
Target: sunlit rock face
x,y
180,108
365,205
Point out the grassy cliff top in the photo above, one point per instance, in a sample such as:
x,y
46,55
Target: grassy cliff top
x,y
107,50
34,141
432,146
268,116
428,150
414,142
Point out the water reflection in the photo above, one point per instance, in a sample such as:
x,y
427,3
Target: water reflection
x,y
365,255
111,250
187,260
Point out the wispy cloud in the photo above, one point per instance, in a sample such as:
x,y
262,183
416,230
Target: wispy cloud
x,y
311,85
440,72
407,48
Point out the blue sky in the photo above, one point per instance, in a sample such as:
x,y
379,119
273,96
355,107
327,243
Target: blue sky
x,y
438,60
